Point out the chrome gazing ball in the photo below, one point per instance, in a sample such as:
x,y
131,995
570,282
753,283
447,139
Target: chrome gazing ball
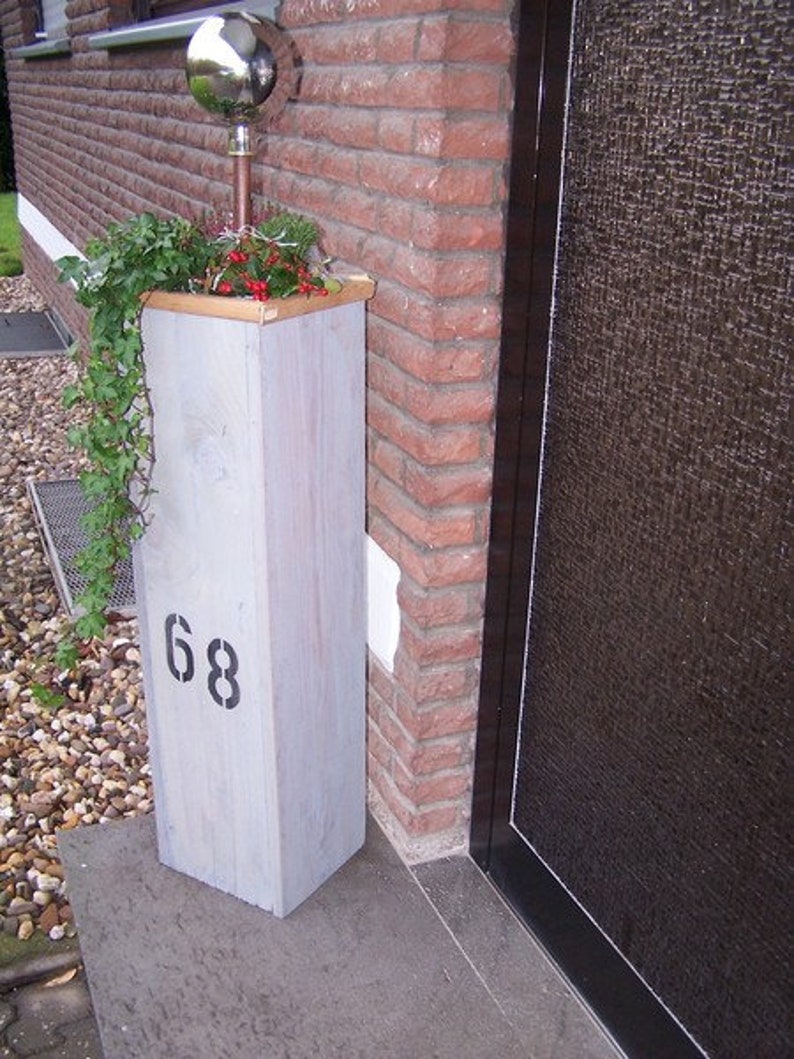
x,y
231,69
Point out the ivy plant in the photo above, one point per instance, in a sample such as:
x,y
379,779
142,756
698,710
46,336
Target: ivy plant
x,y
143,253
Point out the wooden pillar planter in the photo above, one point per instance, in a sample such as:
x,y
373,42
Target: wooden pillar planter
x,y
250,588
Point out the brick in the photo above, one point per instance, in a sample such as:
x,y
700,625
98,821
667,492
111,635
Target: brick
x,y
424,822
448,719
455,229
400,177
431,362
450,566
363,87
346,126
457,39
314,12
434,568
438,755
461,403
396,737
380,681
361,42
466,185
458,403
295,155
411,86
345,44
440,683
433,530
446,645
473,136
378,749
429,181
454,605
388,459
471,317
434,487
424,87
444,487
429,445
427,790
397,42
396,131
442,276
337,164
309,195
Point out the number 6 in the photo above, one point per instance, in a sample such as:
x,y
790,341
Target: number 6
x,y
172,642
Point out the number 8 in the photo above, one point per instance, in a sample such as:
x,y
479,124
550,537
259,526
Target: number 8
x,y
226,672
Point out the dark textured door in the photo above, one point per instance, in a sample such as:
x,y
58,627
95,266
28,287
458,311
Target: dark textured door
x,y
631,791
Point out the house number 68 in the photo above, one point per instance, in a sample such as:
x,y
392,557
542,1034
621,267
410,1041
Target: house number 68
x,y
221,657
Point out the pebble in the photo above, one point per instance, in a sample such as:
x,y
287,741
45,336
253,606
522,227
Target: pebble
x,y
25,929
73,746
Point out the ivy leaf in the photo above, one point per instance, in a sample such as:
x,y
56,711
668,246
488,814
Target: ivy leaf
x,y
132,257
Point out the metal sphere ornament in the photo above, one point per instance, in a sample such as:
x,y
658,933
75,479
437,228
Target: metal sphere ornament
x,y
234,62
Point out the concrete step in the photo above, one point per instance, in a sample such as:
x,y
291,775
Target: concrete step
x,y
366,968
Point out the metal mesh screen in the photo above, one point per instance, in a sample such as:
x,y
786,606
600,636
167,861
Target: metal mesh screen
x,y
60,507
30,334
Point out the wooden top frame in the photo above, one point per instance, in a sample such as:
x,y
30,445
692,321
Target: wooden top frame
x,y
354,289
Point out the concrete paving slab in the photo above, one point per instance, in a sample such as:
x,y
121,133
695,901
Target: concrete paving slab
x,y
365,968
50,1019
539,1004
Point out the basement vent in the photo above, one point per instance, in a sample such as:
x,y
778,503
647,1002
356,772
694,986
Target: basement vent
x,y
59,508
32,335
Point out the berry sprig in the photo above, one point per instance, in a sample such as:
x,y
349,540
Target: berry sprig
x,y
269,260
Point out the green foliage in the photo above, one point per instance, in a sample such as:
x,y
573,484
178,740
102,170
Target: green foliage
x,y
136,256
45,696
67,655
266,261
142,254
10,251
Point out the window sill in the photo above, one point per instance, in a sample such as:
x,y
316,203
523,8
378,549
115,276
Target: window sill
x,y
43,49
178,27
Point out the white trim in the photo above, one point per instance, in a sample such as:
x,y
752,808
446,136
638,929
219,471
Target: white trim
x,y
43,232
173,27
383,610
43,49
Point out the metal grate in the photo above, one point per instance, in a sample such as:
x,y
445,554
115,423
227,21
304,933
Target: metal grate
x,y
59,508
29,334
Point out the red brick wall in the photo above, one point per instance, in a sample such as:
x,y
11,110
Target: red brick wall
x,y
397,144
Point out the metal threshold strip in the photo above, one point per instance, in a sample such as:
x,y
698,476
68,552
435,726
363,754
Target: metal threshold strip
x,y
59,508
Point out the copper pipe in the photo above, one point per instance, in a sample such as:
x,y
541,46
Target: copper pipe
x,y
242,191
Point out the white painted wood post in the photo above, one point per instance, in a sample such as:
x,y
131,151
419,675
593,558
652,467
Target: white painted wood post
x,y
250,589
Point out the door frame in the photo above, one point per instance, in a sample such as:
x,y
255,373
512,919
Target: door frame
x,y
629,1011
541,86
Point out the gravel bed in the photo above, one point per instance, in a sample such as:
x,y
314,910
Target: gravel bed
x,y
73,747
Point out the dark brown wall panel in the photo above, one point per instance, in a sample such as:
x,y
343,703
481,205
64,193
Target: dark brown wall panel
x,y
655,729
